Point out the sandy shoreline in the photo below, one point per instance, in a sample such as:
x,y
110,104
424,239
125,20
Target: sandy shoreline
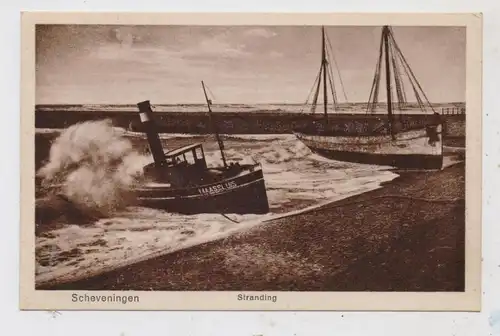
x,y
407,236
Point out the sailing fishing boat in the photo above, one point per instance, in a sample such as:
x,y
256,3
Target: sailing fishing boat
x,y
181,181
393,143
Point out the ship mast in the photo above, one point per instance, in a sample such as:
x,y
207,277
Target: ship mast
x,y
325,75
393,55
324,64
214,126
385,33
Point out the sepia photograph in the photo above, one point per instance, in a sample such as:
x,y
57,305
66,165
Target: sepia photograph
x,y
253,160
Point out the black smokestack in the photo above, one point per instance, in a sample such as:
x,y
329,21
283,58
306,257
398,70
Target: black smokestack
x,y
145,114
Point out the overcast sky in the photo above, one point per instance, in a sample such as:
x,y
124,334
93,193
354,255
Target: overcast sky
x,y
268,64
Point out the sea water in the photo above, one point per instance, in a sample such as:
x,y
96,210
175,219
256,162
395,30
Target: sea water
x,y
95,161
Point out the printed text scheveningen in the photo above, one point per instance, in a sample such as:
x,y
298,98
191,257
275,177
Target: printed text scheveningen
x,y
84,298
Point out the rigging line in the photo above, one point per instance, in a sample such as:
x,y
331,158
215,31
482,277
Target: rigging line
x,y
410,70
420,103
337,67
330,79
405,71
397,68
413,80
211,93
399,82
377,87
376,80
334,91
332,83
378,71
312,88
397,78
373,99
376,94
316,94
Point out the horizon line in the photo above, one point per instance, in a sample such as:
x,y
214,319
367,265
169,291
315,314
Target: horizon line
x,y
234,103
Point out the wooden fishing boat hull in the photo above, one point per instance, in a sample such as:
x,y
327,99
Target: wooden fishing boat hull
x,y
241,194
415,149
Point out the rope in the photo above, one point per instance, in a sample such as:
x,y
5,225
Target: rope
x,y
332,85
406,69
316,94
422,199
398,81
232,220
341,204
410,198
421,104
317,81
396,55
410,72
211,93
331,54
312,88
334,93
376,82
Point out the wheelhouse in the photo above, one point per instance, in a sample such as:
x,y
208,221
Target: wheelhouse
x,y
182,167
192,155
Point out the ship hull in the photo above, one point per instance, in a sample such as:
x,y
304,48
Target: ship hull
x,y
242,194
410,150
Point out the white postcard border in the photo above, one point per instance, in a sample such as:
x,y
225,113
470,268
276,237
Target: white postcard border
x,y
470,300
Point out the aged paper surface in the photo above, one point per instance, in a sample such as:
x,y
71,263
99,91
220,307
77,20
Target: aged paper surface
x,y
251,161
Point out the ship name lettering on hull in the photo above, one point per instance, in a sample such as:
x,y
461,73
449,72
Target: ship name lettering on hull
x,y
218,188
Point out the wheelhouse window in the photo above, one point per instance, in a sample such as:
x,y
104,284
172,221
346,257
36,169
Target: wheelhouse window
x,y
189,157
178,159
199,153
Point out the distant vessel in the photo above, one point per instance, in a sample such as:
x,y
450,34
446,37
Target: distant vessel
x,y
180,180
392,143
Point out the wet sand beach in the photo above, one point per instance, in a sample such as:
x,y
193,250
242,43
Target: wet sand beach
x,y
407,236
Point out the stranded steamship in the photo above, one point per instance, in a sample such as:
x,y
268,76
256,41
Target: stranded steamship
x,y
181,181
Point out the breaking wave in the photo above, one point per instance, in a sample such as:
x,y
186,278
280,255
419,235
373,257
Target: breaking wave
x,y
92,166
95,163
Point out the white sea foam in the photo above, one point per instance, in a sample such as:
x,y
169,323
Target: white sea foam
x,y
296,180
93,165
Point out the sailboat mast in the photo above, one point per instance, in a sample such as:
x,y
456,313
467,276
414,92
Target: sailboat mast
x,y
214,127
385,33
323,62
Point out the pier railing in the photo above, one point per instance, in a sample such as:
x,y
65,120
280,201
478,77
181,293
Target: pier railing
x,y
452,110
